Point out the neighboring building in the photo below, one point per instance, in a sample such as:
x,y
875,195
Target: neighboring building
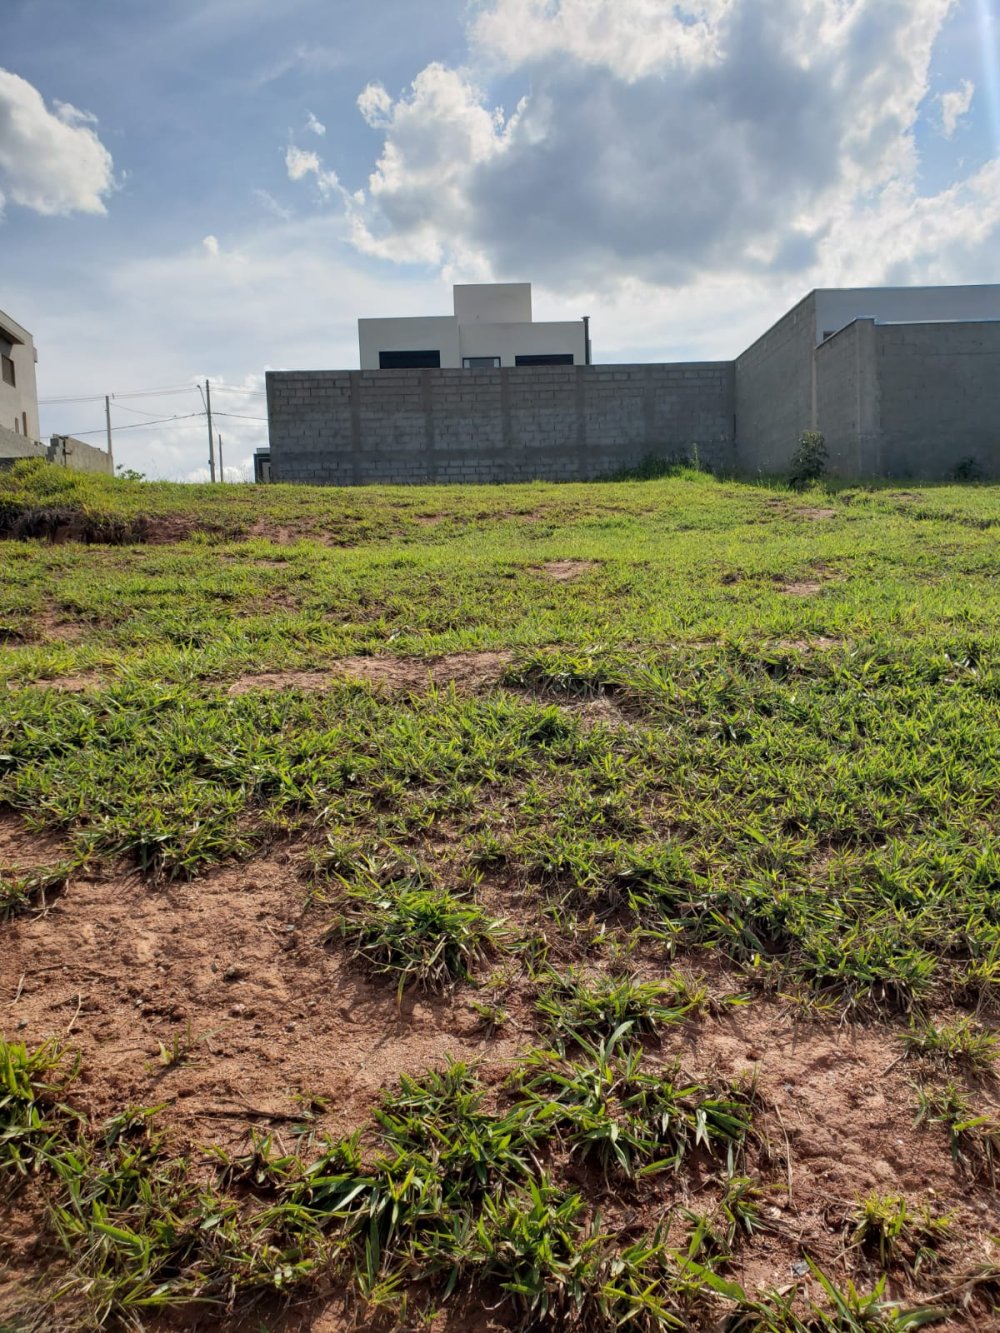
x,y
491,327
262,465
19,429
68,451
18,395
903,383
917,395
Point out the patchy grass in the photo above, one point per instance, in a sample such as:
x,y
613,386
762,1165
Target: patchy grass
x,y
673,770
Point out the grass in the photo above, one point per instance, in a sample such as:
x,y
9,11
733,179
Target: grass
x,y
415,933
450,1191
674,763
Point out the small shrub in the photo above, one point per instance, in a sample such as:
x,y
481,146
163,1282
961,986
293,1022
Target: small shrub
x,y
967,469
809,460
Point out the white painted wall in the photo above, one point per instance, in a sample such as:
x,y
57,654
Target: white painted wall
x,y
422,333
508,341
21,401
492,302
491,319
836,308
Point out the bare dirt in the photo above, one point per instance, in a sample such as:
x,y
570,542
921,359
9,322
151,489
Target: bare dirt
x,y
467,671
565,571
802,588
272,1018
813,514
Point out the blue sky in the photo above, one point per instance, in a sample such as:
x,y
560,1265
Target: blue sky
x,y
213,188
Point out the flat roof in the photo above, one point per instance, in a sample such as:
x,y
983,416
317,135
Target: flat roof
x,y
12,331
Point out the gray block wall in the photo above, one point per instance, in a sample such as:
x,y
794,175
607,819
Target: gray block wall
x,y
847,400
911,400
774,392
518,424
939,398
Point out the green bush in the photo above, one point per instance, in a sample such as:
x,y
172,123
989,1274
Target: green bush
x,y
809,460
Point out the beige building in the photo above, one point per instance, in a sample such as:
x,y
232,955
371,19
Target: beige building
x,y
491,327
18,394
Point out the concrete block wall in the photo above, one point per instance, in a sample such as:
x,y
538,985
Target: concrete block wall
x,y
68,451
939,398
518,424
775,392
847,400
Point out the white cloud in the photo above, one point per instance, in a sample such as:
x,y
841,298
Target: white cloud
x,y
954,105
436,137
314,125
375,105
211,245
299,163
51,162
656,141
632,40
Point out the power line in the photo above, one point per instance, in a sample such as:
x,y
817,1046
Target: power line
x,y
240,415
151,393
137,425
132,393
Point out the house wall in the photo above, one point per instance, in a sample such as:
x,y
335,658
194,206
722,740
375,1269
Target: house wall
x,y
549,423
456,340
774,392
22,400
939,391
492,302
508,341
411,334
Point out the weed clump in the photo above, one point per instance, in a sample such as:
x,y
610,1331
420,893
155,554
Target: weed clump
x,y
418,934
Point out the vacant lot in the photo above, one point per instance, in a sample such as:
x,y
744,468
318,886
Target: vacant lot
x,y
511,908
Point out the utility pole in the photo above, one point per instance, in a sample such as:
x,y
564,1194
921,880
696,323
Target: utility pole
x,y
107,418
222,470
211,437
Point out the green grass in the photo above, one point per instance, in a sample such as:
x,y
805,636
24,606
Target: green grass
x,y
449,1192
677,766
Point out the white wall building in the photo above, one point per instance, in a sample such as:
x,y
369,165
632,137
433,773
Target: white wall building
x,y
18,394
491,327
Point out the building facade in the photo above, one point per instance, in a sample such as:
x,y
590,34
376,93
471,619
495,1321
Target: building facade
x,y
903,383
491,327
18,393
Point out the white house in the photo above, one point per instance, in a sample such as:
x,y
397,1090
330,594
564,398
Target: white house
x,y
491,327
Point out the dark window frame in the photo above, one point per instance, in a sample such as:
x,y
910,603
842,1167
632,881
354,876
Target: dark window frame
x,y
7,371
424,359
545,359
494,363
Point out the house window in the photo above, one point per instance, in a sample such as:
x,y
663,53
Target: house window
x,y
481,362
8,370
409,360
24,421
546,359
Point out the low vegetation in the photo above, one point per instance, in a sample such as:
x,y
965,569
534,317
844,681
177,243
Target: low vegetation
x,y
733,770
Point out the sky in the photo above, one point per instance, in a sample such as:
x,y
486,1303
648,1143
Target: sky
x,y
213,188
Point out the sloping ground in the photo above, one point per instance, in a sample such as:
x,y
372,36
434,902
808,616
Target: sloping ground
x,y
561,920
